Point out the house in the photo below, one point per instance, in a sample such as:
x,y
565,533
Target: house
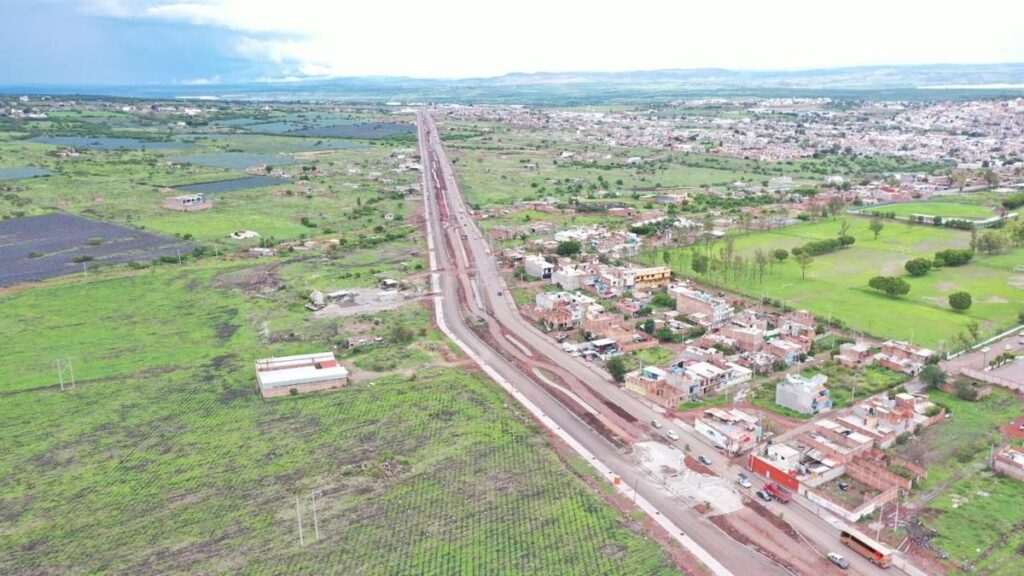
x,y
702,308
733,431
188,203
884,419
804,395
536,266
569,277
855,355
903,357
784,350
299,374
1010,462
659,385
651,278
748,339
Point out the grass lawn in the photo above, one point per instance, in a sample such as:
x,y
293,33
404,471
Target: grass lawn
x,y
838,281
164,460
964,438
707,403
980,523
764,397
844,383
936,208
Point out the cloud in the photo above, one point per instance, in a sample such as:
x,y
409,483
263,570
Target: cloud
x,y
451,38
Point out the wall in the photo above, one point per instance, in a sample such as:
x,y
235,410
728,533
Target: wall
x,y
303,388
766,470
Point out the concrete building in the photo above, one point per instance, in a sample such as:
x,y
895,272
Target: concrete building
x,y
538,267
855,355
303,373
1010,462
903,357
569,278
701,307
663,387
188,203
805,395
733,431
653,278
785,351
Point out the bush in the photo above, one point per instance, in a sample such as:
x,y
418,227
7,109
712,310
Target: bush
x,y
960,301
918,266
891,285
568,248
953,256
965,390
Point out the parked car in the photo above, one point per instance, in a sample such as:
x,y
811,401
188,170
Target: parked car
x,y
704,460
838,560
655,423
672,435
764,496
742,480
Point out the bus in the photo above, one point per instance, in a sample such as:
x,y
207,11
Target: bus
x,y
879,554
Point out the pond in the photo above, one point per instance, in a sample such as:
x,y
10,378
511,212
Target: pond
x,y
22,172
231,185
234,160
107,143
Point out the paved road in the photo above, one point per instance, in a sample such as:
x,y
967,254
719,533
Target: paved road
x,y
731,557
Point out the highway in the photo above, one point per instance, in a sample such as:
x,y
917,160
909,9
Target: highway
x,y
471,287
448,261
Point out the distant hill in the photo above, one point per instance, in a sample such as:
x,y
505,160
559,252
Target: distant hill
x,y
937,81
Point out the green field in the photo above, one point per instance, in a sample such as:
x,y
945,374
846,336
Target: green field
x,y
977,516
936,208
165,460
837,282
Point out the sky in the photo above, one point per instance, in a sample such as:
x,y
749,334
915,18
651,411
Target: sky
x,y
110,42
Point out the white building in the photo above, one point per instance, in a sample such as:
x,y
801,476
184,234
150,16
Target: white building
x,y
805,395
536,266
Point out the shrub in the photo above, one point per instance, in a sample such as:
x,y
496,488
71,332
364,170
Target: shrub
x,y
960,301
891,285
953,256
918,266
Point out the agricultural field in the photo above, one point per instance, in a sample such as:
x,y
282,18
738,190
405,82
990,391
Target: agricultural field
x,y
41,247
837,283
936,208
165,460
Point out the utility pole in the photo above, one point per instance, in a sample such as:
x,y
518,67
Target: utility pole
x,y
298,517
178,250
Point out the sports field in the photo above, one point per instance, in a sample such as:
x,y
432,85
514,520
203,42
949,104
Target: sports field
x,y
936,208
838,282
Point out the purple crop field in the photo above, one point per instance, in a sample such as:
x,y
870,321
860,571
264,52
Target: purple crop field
x,y
41,247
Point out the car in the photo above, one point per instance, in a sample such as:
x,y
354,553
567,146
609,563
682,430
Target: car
x,y
704,460
1021,428
499,292
655,423
764,496
672,435
743,481
838,560
844,486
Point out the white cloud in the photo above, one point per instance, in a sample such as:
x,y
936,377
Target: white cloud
x,y
453,38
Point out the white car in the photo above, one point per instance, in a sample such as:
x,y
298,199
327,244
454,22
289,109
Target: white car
x,y
672,435
838,560
655,423
743,481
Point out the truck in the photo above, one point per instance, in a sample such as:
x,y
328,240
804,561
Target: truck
x,y
778,492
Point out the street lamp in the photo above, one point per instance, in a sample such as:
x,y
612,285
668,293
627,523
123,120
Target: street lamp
x,y
785,297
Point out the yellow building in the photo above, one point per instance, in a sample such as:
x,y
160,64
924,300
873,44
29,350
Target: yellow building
x,y
652,278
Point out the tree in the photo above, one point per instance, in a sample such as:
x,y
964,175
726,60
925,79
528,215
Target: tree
x,y
699,263
891,285
780,254
876,226
960,179
918,266
933,376
960,301
568,248
804,260
835,204
844,227
617,368
991,242
761,260
663,300
666,257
